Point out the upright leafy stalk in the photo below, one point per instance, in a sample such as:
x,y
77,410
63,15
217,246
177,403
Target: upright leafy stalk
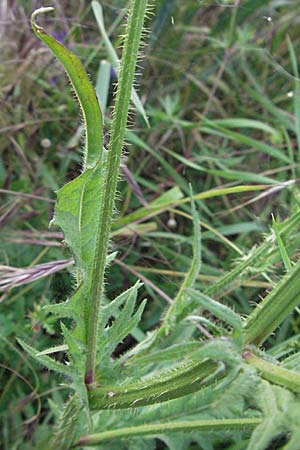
x,y
84,212
128,63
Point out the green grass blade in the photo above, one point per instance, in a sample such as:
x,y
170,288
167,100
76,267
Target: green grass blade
x,y
154,208
248,123
102,84
210,127
180,306
285,257
139,143
296,93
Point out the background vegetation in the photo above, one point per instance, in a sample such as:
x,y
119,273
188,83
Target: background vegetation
x,y
219,85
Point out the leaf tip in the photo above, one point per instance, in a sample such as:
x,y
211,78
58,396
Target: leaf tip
x,y
37,28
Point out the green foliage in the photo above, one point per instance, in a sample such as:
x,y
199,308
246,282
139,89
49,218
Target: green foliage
x,y
281,412
49,363
216,425
83,89
113,57
199,378
66,430
125,321
221,312
181,306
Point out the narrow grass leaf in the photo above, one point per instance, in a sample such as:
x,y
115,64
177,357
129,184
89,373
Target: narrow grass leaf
x,y
153,208
103,83
285,257
213,129
296,95
181,305
51,350
248,123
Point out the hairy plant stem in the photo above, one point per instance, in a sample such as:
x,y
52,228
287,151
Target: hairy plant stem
x,y
251,258
128,63
156,429
274,374
275,307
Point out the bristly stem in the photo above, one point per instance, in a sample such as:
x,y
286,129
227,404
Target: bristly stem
x,y
273,373
126,78
161,428
275,307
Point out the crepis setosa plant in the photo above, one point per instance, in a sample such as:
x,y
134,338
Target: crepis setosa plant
x,y
180,385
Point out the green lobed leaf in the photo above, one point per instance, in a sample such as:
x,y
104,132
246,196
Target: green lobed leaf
x,y
65,431
76,214
281,411
78,202
125,320
221,311
45,360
